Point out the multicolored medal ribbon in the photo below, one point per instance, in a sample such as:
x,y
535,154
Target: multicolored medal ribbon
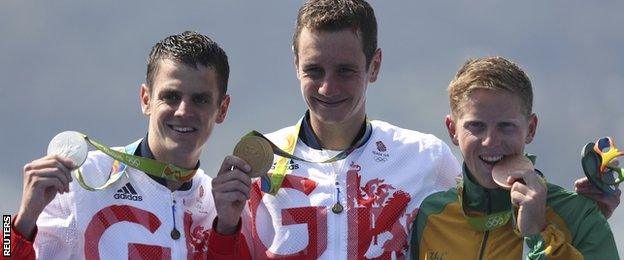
x,y
260,149
71,143
499,219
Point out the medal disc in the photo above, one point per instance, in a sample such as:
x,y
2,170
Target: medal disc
x,y
508,165
257,153
69,144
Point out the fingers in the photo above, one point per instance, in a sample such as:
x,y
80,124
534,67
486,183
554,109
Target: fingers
x,y
232,185
582,182
48,167
232,161
527,187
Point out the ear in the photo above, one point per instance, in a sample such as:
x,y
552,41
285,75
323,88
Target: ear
x,y
532,129
223,108
296,62
375,66
144,94
452,130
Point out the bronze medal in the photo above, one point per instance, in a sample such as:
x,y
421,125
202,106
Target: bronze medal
x,y
257,153
509,164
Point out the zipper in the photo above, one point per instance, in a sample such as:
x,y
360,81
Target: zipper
x,y
487,232
175,232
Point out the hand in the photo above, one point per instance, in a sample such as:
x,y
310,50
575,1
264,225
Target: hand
x,y
607,203
230,190
43,179
528,191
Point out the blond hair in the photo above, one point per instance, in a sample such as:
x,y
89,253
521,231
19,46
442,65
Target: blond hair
x,y
493,73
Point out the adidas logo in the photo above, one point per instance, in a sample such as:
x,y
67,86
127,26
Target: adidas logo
x,y
292,165
127,192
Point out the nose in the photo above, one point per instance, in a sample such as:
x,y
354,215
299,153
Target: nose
x,y
329,86
490,139
183,109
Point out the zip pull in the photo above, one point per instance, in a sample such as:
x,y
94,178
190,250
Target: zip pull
x,y
337,208
175,234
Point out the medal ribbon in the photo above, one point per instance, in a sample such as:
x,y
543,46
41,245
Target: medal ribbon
x,y
489,221
149,166
272,184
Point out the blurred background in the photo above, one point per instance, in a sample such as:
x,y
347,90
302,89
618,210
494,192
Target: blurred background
x,y
73,65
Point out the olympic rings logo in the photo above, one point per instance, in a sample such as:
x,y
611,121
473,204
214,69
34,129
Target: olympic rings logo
x,y
380,159
134,162
494,221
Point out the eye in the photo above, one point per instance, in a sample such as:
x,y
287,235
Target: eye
x,y
313,72
346,72
201,99
474,126
507,126
170,97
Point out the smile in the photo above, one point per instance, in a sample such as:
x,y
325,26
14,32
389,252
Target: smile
x,y
331,103
182,129
490,159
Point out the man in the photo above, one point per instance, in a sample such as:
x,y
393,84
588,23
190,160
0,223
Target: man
x,y
359,206
491,121
140,215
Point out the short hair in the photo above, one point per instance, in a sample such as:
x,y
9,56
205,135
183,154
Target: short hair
x,y
493,73
192,49
336,15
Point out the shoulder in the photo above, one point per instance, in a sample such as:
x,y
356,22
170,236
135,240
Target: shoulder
x,y
279,137
436,202
406,137
574,209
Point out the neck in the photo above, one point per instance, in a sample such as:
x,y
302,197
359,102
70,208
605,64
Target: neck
x,y
336,136
181,159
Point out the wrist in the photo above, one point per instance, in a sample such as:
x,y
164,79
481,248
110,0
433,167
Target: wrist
x,y
25,225
225,228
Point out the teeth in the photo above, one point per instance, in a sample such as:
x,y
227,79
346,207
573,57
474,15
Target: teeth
x,y
491,158
183,129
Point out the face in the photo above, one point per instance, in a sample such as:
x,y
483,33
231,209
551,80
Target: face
x,y
492,125
331,67
183,107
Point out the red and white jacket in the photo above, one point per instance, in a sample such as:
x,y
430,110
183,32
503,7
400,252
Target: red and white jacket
x,y
380,186
133,219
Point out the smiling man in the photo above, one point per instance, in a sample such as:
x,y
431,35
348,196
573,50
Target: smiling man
x,y
141,215
358,205
492,217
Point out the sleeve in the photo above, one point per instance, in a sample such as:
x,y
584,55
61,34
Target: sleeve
x,y
227,246
57,235
449,171
592,240
21,247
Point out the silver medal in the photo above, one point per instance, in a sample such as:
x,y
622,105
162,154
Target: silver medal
x,y
69,144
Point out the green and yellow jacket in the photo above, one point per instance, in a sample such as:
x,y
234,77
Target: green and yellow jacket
x,y
576,229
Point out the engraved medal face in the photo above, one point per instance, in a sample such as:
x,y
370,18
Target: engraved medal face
x,y
69,144
257,153
507,166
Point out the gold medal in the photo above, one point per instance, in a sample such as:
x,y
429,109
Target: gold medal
x,y
337,208
257,153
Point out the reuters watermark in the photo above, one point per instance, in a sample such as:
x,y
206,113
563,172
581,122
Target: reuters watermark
x,y
6,235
